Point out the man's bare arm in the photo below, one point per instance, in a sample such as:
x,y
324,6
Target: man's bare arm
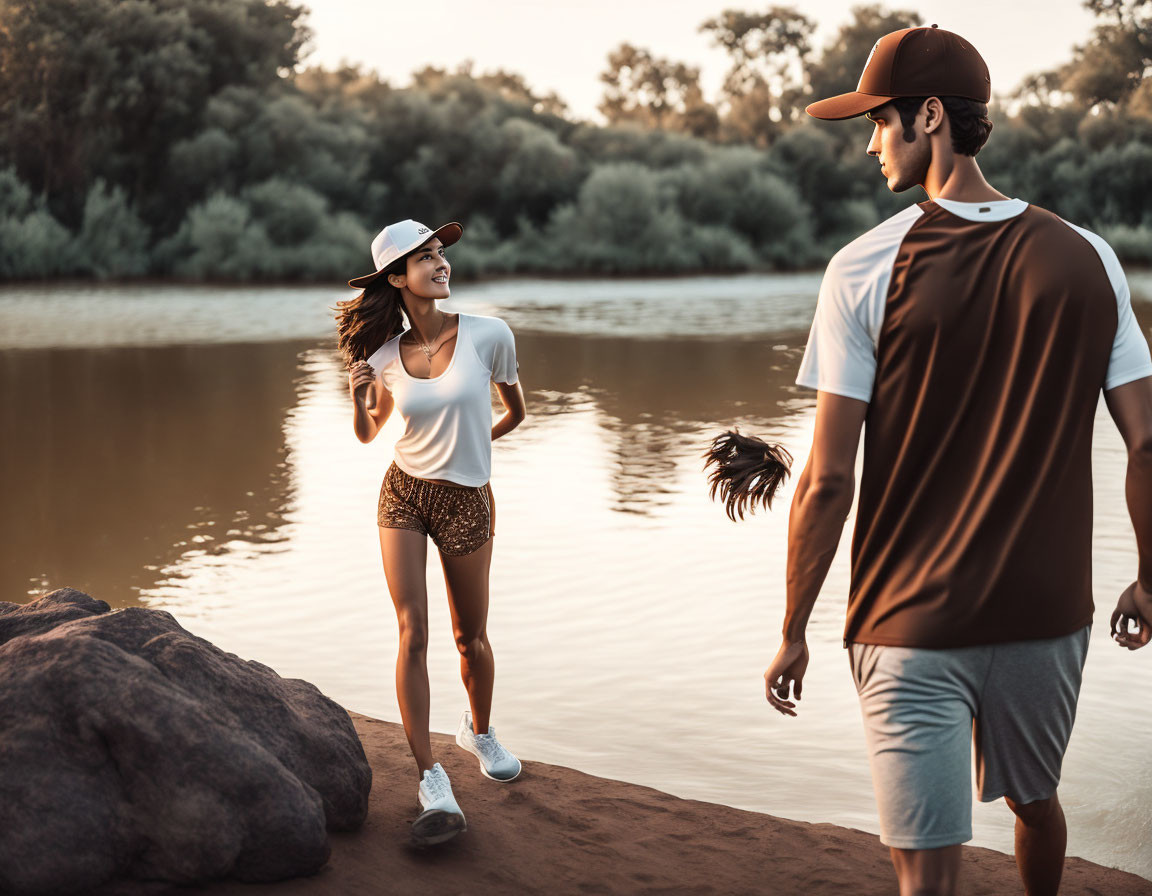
x,y
1131,408
819,508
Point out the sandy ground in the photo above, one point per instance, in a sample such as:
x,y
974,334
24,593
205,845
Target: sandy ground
x,y
556,831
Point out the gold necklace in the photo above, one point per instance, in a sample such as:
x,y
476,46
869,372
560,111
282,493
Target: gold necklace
x,y
425,346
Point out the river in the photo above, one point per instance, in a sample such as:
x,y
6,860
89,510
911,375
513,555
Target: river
x,y
189,448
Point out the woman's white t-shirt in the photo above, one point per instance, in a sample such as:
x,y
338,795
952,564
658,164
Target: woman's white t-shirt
x,y
448,418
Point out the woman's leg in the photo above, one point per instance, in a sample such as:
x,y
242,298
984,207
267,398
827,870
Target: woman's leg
x,y
466,578
405,556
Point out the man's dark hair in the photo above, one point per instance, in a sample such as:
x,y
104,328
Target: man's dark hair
x,y
968,120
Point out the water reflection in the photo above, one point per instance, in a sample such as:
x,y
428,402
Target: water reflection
x,y
118,463
654,397
114,464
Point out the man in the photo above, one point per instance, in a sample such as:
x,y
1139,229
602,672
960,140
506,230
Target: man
x,y
970,335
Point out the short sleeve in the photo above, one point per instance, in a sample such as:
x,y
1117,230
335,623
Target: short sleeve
x,y
381,361
840,356
1130,359
503,365
841,352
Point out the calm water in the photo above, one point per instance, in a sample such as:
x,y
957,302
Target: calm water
x,y
190,449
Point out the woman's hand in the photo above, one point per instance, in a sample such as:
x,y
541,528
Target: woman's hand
x,y
371,401
361,376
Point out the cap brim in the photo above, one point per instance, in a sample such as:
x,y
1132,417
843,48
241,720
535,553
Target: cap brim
x,y
448,234
846,105
361,282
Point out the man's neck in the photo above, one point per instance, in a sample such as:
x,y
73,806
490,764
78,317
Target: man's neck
x,y
959,178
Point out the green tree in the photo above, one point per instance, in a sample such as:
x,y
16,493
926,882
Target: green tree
x,y
622,221
768,53
539,173
289,211
1112,65
513,87
101,88
33,244
737,190
653,92
220,240
113,241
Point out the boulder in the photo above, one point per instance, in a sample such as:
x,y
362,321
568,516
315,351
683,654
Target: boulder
x,y
134,754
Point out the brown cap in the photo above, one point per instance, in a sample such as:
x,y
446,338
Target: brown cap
x,y
912,62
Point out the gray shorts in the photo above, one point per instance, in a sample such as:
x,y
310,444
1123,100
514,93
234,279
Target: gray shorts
x,y
923,709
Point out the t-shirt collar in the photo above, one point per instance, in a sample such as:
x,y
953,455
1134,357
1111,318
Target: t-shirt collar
x,y
1000,210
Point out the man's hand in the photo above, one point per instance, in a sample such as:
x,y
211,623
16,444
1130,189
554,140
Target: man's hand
x,y
789,666
1135,605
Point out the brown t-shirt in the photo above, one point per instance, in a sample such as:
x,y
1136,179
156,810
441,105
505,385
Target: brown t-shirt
x,y
990,335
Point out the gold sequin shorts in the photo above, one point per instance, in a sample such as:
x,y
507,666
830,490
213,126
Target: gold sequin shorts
x,y
458,518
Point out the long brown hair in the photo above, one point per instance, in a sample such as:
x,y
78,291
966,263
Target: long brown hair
x,y
372,318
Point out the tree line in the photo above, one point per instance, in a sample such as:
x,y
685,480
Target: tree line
x,y
185,138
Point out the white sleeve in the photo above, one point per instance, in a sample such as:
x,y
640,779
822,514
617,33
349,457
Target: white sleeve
x,y
1130,359
841,353
840,356
503,364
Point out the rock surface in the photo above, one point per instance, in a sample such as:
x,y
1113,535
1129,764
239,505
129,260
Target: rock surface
x,y
134,755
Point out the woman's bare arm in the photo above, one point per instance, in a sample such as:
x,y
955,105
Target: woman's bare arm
x,y
512,397
371,401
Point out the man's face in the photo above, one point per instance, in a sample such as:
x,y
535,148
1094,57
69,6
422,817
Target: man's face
x,y
904,163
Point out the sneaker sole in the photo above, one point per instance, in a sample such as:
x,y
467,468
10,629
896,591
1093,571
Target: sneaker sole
x,y
437,826
460,743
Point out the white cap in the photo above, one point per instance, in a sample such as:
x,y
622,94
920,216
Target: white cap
x,y
397,240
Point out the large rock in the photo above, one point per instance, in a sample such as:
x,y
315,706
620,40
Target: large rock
x,y
133,753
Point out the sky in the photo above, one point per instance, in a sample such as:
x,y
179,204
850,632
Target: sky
x,y
563,48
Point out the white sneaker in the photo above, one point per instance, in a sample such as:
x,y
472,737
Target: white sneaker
x,y
495,761
441,819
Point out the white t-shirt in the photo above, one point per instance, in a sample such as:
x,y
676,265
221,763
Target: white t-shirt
x,y
841,352
448,418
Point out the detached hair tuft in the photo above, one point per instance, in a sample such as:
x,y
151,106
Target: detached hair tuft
x,y
748,471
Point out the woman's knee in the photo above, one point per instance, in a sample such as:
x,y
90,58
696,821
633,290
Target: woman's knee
x,y
413,636
471,645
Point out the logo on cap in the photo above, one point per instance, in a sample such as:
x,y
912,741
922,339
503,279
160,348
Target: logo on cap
x,y
875,47
422,230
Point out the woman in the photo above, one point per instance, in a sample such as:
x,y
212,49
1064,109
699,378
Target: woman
x,y
436,373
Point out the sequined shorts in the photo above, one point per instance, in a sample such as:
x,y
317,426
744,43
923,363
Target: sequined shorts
x,y
458,518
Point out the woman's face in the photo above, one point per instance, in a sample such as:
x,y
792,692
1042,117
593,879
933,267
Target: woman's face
x,y
428,272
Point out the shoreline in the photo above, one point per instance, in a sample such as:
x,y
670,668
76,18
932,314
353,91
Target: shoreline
x,y
558,830
463,279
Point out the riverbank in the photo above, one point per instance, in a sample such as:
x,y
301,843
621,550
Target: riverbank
x,y
557,830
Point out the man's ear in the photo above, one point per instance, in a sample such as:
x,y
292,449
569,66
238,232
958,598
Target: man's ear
x,y
933,115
